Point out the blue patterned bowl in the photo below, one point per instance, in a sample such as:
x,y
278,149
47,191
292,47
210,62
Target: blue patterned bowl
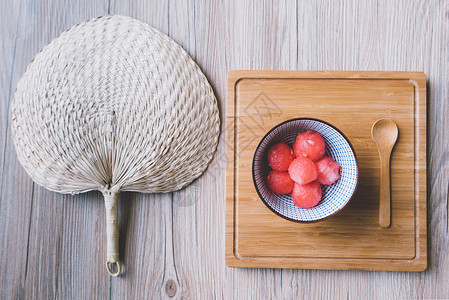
x,y
335,196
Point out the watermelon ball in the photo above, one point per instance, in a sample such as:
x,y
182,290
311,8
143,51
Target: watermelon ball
x,y
328,170
307,195
309,144
280,156
302,170
280,182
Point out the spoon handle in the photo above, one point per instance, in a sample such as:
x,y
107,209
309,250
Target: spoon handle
x,y
385,197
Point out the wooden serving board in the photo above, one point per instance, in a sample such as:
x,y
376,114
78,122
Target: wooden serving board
x,y
352,239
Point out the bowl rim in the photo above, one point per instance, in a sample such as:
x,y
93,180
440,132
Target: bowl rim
x,y
303,119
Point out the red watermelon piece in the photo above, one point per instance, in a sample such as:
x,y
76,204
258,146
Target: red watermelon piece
x,y
302,170
328,170
280,156
280,182
309,144
306,195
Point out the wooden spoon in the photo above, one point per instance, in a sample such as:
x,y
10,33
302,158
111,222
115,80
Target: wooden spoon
x,y
384,133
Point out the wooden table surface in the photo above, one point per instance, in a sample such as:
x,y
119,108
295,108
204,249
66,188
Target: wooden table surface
x,y
172,245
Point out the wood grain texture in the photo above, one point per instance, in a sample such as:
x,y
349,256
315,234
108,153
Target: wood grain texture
x,y
352,101
179,238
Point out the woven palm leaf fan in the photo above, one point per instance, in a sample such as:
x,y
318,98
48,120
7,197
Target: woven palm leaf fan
x,y
113,105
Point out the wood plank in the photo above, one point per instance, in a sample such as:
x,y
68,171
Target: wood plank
x,y
38,255
182,21
286,35
147,243
72,246
259,36
14,184
197,210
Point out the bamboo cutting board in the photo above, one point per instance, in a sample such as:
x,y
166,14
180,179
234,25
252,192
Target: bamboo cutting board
x,y
351,101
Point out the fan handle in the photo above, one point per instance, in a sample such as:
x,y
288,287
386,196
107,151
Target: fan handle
x,y
112,231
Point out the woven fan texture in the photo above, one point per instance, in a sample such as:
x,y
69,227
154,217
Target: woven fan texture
x,y
113,104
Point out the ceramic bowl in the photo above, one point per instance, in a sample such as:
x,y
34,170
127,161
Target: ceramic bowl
x,y
335,196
